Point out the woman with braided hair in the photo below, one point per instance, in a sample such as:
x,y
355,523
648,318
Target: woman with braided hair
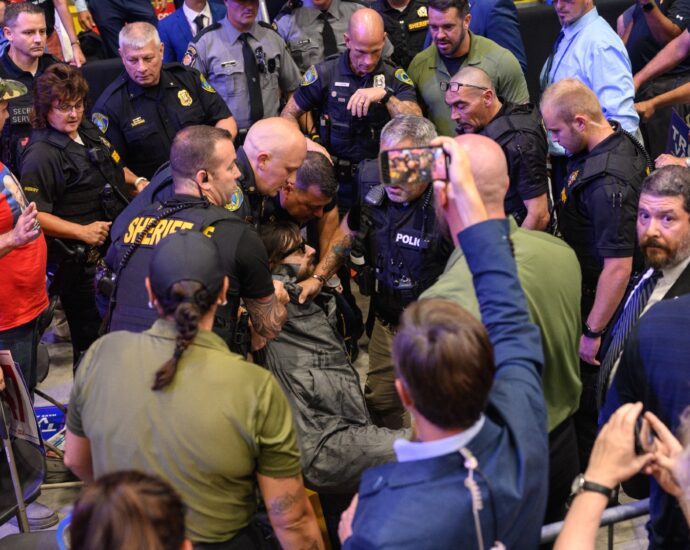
x,y
175,402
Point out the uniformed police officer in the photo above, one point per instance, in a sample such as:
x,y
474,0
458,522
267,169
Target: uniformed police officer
x,y
406,23
204,173
357,93
401,252
75,177
24,60
315,29
246,61
518,129
143,109
597,217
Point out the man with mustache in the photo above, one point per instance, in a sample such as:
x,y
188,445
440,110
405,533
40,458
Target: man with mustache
x,y
653,365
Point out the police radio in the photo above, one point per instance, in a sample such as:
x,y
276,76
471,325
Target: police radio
x,y
419,165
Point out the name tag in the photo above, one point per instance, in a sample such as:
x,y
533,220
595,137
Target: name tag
x,y
342,84
418,25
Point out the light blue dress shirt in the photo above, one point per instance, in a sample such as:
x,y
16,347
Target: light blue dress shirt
x,y
592,52
407,451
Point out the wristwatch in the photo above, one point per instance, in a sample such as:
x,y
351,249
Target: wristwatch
x,y
589,333
649,6
580,484
387,96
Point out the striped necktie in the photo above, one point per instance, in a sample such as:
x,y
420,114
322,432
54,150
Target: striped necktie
x,y
622,329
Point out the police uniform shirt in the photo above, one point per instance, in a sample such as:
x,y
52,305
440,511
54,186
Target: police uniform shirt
x,y
328,87
141,123
302,30
407,28
57,173
217,53
598,210
18,125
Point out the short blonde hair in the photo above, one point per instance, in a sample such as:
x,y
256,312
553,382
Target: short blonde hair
x,y
570,97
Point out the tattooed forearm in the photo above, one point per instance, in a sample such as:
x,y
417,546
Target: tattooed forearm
x,y
337,254
267,314
397,107
291,111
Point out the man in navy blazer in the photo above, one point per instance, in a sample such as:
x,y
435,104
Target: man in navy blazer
x,y
178,29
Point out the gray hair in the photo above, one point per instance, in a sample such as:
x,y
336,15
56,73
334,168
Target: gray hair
x,y
137,35
669,181
418,130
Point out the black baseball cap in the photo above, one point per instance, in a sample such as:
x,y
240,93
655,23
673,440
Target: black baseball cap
x,y
186,256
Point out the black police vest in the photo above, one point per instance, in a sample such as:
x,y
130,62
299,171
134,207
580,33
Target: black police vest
x,y
621,172
350,137
504,129
405,248
131,311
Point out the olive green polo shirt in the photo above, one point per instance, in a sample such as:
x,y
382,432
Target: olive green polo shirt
x,y
550,276
221,420
427,71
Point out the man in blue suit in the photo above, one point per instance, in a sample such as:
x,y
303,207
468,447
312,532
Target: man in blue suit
x,y
178,29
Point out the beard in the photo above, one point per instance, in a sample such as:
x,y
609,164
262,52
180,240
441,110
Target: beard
x,y
662,256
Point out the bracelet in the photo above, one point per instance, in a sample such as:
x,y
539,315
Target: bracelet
x,y
75,43
139,180
319,278
589,333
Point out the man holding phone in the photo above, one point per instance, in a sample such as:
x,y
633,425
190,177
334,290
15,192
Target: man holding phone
x,y
393,231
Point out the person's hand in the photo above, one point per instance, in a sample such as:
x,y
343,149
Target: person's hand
x,y
613,457
666,452
645,109
667,160
78,58
589,347
345,525
96,233
310,288
461,189
281,294
25,230
86,20
361,100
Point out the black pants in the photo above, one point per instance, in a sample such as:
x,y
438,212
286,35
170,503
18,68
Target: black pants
x,y
74,283
22,341
564,465
111,15
333,507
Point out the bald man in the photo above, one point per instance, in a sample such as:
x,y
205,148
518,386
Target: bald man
x,y
597,215
549,273
355,93
476,109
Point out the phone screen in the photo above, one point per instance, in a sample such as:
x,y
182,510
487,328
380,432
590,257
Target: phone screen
x,y
413,165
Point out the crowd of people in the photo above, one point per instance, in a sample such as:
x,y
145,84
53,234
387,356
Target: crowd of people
x,y
250,174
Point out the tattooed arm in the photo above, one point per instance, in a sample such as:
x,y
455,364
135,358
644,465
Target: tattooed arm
x,y
268,315
396,107
334,255
290,512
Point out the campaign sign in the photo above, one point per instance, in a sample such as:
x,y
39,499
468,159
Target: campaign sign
x,y
50,421
678,136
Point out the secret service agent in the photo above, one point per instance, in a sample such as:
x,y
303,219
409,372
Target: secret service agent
x,y
242,255
217,53
519,131
141,122
16,131
302,29
598,205
406,28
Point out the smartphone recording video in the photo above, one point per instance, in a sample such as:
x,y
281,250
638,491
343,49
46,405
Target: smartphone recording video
x,y
413,165
644,436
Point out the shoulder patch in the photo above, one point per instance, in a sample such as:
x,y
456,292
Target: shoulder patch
x,y
422,12
310,76
403,77
189,56
101,121
236,200
205,85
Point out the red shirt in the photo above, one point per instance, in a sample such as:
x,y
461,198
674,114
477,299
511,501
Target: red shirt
x,y
23,271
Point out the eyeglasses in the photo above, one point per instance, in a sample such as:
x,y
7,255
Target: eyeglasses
x,y
455,86
302,247
67,108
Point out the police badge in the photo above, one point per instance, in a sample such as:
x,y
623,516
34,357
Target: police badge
x,y
185,98
379,81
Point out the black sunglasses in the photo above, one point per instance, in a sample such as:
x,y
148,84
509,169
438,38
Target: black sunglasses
x,y
301,246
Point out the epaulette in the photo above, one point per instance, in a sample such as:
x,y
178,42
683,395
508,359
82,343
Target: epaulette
x,y
119,81
332,56
267,26
288,8
203,31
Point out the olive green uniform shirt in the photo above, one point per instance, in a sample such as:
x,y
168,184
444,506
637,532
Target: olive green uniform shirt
x,y
221,420
550,276
427,70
